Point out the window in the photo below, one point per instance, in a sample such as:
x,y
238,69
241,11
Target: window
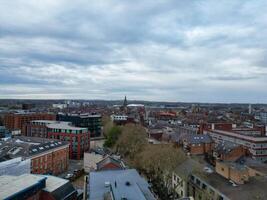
x,y
222,169
204,186
198,182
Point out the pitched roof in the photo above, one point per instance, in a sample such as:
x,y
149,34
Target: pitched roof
x,y
100,165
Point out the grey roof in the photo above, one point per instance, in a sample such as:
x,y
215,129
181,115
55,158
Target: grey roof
x,y
137,189
21,146
225,147
255,187
197,138
187,167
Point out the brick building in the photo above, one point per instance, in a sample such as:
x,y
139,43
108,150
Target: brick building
x,y
197,144
37,128
254,140
78,138
47,156
14,121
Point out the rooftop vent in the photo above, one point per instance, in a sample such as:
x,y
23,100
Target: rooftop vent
x,y
127,183
107,184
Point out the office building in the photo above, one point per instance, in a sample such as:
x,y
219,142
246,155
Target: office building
x,y
93,122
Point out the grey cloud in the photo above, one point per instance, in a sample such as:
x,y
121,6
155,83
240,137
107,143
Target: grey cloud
x,y
184,50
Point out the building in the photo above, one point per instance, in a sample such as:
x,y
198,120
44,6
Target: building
x,y
203,186
228,151
78,138
253,140
180,177
109,163
91,158
46,156
38,187
263,117
93,122
3,131
37,128
13,121
118,185
16,187
197,144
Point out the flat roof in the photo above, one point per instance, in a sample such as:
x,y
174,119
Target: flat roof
x,y
11,185
65,126
53,183
240,136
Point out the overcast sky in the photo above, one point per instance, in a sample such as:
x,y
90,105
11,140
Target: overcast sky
x,y
173,50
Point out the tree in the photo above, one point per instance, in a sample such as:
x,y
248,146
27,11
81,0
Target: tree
x,y
107,124
131,141
112,136
157,162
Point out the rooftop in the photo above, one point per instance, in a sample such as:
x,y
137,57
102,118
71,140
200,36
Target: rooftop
x,y
119,184
21,146
65,126
11,185
251,190
240,136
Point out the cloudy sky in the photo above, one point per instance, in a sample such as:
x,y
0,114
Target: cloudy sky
x,y
174,50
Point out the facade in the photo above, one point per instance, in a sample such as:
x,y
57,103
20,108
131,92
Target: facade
x,y
78,138
15,121
46,156
93,122
118,185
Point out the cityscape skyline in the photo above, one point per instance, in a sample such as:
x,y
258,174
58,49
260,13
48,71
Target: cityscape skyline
x,y
193,51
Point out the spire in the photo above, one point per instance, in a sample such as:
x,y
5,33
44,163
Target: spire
x,y
125,102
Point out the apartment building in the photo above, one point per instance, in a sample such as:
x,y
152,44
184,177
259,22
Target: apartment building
x,y
78,138
13,121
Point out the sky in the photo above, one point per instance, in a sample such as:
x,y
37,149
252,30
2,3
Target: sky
x,y
162,50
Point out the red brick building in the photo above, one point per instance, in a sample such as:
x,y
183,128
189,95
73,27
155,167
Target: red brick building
x,y
37,128
197,144
47,156
78,138
17,120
